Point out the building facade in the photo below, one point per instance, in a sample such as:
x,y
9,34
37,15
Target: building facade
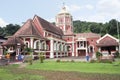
x,y
54,40
108,45
2,39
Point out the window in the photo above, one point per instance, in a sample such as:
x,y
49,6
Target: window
x,y
81,44
37,45
47,47
27,44
55,46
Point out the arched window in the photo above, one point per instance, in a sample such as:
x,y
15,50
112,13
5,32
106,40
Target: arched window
x,y
60,47
27,44
37,45
43,46
55,46
91,49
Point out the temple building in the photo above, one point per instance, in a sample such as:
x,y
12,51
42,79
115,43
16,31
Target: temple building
x,y
2,40
55,41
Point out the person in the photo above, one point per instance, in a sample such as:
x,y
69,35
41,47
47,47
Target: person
x,y
8,57
87,57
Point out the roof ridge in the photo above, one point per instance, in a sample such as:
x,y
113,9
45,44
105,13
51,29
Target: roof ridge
x,y
48,26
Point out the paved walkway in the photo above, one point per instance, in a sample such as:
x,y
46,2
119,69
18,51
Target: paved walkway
x,y
81,59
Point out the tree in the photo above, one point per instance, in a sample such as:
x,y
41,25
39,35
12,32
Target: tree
x,y
1,31
41,57
10,29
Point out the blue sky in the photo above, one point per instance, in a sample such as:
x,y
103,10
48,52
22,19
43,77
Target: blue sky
x,y
18,11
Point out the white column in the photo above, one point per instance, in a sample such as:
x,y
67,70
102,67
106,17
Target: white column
x,y
60,44
86,49
1,51
64,24
51,49
117,48
45,46
76,48
31,42
99,49
39,46
73,47
56,49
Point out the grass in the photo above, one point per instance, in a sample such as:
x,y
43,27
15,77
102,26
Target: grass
x,y
77,66
51,70
6,73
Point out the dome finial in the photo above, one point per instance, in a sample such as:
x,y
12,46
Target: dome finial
x,y
64,5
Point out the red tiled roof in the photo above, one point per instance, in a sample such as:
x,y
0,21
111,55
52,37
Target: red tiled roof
x,y
49,26
28,29
13,41
87,35
107,41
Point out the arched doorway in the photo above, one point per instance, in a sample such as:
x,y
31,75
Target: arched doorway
x,y
91,50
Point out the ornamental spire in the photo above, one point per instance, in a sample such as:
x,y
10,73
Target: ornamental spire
x,y
64,6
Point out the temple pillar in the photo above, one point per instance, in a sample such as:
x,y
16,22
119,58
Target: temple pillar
x,y
31,42
51,49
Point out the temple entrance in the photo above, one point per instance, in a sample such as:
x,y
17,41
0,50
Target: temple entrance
x,y
91,50
81,52
13,56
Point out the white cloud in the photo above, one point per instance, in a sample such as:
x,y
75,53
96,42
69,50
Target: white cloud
x,y
2,23
90,7
75,8
109,8
105,10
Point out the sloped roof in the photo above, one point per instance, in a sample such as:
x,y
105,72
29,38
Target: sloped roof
x,y
13,41
107,40
49,26
87,35
28,29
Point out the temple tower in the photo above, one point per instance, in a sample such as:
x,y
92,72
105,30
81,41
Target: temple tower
x,y
64,21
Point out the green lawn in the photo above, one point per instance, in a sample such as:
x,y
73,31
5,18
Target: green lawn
x,y
6,73
77,66
51,70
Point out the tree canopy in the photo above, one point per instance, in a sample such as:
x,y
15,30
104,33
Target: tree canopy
x,y
99,28
79,27
9,29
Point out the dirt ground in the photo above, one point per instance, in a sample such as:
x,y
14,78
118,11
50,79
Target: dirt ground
x,y
62,75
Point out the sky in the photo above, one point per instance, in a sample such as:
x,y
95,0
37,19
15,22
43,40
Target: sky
x,y
19,11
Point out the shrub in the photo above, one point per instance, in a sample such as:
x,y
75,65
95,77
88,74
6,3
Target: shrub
x,y
92,61
41,56
106,61
72,61
116,54
58,60
98,55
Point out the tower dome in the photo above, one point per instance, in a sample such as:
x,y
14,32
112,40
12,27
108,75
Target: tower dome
x,y
64,21
64,11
